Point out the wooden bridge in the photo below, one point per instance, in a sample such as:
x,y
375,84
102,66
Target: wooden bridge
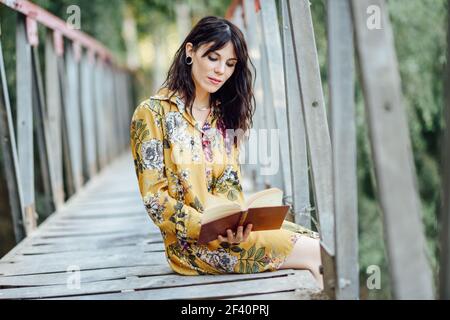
x,y
103,240
99,242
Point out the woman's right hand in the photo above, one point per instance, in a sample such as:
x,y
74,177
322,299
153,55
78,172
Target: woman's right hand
x,y
236,237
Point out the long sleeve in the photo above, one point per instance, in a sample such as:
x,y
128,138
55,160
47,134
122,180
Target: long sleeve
x,y
150,149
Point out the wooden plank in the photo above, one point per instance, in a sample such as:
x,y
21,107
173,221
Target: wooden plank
x,y
252,167
391,147
45,266
213,290
269,136
97,218
101,241
238,20
94,213
317,134
87,208
40,238
72,117
98,232
89,237
131,222
343,136
132,283
100,222
298,294
99,124
77,233
42,134
53,111
119,199
80,212
130,95
128,105
138,250
54,246
118,122
49,279
94,201
296,125
76,247
112,128
121,111
66,151
88,116
104,113
24,119
145,225
444,270
105,225
116,193
125,107
128,230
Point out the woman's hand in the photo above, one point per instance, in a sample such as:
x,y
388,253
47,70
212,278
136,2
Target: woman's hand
x,y
239,236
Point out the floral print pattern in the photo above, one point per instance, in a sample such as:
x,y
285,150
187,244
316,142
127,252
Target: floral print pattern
x,y
154,208
152,154
174,194
218,259
229,183
176,128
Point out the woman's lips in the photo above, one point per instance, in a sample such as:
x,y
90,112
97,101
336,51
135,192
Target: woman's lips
x,y
213,81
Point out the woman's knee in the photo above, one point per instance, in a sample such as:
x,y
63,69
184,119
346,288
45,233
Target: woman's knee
x,y
304,255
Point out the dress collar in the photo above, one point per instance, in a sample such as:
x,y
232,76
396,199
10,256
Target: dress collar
x,y
174,97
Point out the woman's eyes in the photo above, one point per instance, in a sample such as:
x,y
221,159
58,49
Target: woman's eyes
x,y
215,59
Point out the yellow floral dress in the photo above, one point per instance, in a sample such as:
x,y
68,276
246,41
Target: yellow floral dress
x,y
178,166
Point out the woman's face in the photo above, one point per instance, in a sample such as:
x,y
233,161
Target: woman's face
x,y
212,71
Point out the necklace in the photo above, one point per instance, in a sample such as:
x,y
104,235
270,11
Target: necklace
x,y
202,109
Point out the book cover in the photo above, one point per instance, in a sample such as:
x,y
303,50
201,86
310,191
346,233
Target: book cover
x,y
264,210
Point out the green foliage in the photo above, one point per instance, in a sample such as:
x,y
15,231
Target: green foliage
x,y
420,33
153,15
101,19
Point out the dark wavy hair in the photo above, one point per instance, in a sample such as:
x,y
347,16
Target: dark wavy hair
x,y
235,99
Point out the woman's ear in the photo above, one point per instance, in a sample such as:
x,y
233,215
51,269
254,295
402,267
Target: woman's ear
x,y
189,49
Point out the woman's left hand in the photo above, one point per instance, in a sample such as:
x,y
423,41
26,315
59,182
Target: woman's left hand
x,y
238,237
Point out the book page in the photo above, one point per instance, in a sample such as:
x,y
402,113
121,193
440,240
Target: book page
x,y
215,201
219,211
265,198
217,207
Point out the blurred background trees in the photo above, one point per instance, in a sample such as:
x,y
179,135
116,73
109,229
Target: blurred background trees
x,y
144,34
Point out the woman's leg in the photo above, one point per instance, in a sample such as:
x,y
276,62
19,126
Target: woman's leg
x,y
306,255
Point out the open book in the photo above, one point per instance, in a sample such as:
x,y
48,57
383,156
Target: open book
x,y
263,209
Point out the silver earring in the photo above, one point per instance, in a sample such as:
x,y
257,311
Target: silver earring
x,y
188,60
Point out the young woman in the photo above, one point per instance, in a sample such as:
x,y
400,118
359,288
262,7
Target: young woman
x,y
184,155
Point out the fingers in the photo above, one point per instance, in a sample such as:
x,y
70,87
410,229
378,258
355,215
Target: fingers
x,y
239,236
230,236
248,229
